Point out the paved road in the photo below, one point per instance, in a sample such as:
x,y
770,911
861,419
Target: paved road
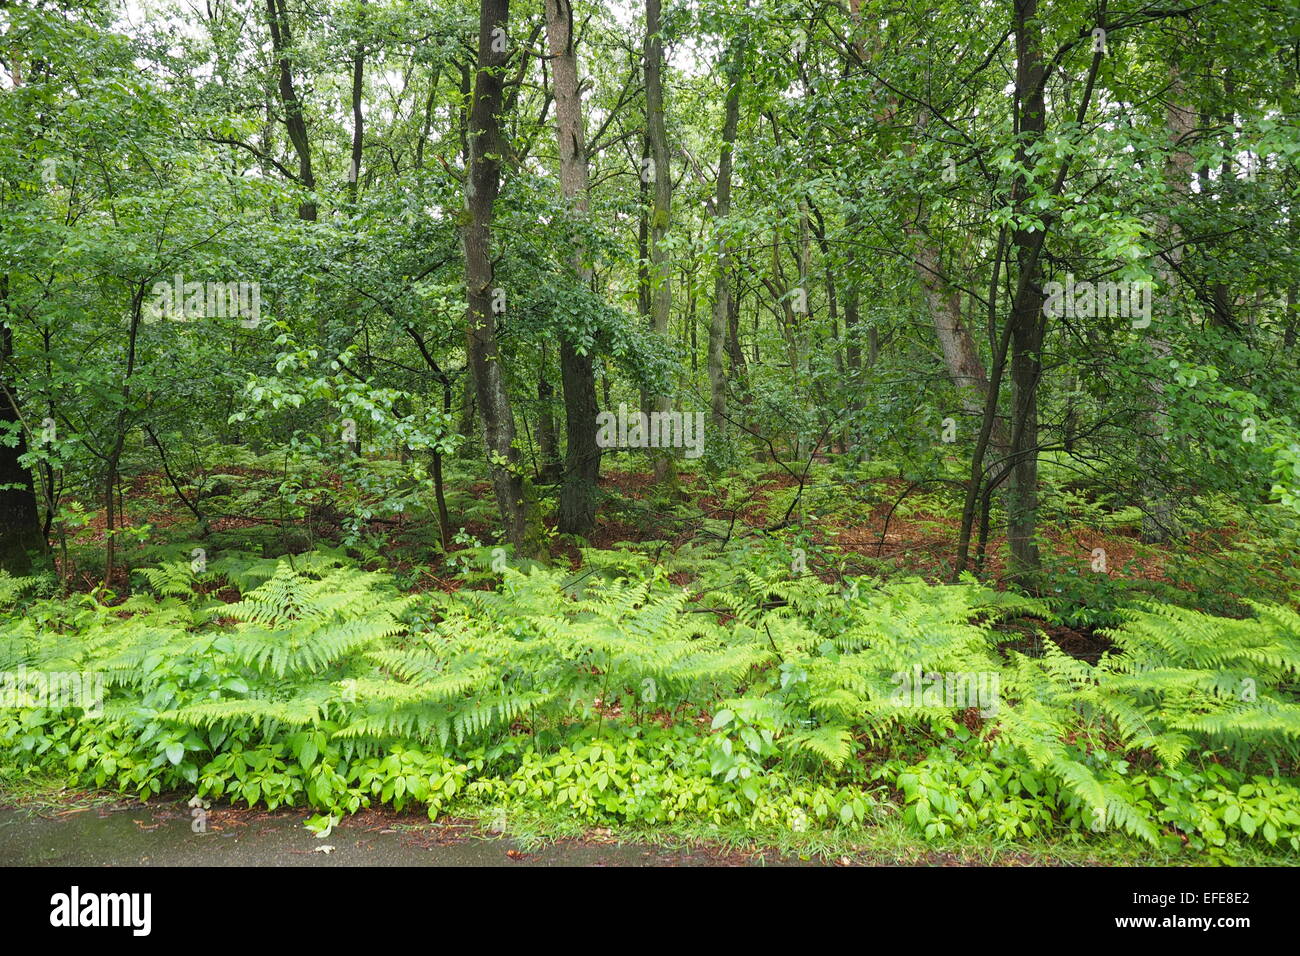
x,y
163,835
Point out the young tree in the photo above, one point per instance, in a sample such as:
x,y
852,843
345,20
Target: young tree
x,y
732,73
660,272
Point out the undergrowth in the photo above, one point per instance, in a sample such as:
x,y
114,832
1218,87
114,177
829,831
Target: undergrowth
x,y
751,697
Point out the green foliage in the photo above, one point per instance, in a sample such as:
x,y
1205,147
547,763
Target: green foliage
x,y
614,696
14,589
1082,598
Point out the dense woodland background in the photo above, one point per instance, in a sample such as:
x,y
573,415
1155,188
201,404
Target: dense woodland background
x,y
830,228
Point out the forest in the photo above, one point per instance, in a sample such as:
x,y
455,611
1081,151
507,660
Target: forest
x,y
855,430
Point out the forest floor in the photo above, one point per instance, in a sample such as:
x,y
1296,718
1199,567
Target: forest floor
x,y
886,526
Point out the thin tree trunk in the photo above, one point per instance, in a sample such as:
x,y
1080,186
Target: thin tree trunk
x,y
1292,320
439,491
721,209
735,354
660,275
1158,522
444,521
981,485
358,120
466,426
281,41
1026,303
578,495
1221,294
119,441
694,323
428,119
547,446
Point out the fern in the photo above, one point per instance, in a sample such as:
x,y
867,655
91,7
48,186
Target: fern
x,y
831,744
807,670
12,589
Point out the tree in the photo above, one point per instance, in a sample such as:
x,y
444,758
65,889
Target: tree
x,y
732,73
294,123
21,533
661,293
487,146
578,378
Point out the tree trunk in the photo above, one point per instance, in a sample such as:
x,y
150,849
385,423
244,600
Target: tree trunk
x,y
721,209
482,182
582,456
1180,123
961,355
111,512
1221,294
21,534
660,275
547,447
358,119
577,371
281,41
1027,310
439,491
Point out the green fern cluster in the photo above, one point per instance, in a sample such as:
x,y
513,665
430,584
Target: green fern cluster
x,y
765,670
533,649
1177,681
